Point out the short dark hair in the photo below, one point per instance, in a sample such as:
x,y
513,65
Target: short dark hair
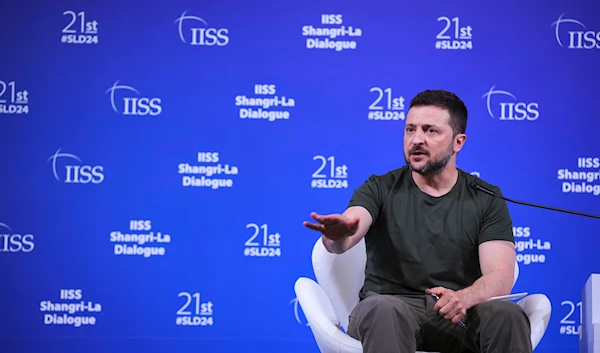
x,y
445,100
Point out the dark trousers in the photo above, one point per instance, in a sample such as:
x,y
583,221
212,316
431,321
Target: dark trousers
x,y
405,324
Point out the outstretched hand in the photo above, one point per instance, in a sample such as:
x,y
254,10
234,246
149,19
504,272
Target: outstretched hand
x,y
333,226
450,305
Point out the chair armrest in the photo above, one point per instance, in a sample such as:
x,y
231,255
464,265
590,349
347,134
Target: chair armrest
x,y
538,309
322,319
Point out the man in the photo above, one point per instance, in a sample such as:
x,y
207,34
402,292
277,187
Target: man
x,y
437,249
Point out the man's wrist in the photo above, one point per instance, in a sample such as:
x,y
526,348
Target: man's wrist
x,y
467,298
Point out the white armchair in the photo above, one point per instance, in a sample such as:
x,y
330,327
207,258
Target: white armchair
x,y
328,302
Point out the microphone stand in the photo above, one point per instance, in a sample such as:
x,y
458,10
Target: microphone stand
x,y
476,186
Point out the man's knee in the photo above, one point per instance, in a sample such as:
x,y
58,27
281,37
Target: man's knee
x,y
382,305
502,327
500,311
384,323
381,312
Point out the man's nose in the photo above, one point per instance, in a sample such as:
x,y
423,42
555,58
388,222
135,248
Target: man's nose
x,y
417,138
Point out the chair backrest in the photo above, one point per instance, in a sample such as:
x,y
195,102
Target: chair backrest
x,y
341,276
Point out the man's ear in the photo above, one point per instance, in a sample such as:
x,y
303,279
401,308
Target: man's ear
x,y
459,142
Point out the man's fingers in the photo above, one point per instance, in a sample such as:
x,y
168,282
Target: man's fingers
x,y
448,305
443,309
457,317
450,312
436,290
443,302
329,219
319,218
447,308
317,227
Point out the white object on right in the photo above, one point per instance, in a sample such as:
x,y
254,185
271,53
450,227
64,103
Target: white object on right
x,y
589,341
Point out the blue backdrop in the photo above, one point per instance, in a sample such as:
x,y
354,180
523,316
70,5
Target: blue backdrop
x,y
160,157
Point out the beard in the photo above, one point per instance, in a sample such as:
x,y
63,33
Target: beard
x,y
433,166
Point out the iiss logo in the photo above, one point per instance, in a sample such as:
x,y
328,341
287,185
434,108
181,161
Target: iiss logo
x,y
76,173
13,242
135,106
203,36
577,39
511,110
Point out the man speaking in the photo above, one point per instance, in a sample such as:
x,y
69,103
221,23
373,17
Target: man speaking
x,y
437,249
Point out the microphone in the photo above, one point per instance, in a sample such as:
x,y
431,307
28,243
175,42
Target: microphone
x,y
476,186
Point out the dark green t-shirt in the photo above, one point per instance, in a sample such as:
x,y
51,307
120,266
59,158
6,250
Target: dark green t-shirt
x,y
418,241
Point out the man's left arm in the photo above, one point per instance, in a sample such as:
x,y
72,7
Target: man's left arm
x,y
497,262
496,248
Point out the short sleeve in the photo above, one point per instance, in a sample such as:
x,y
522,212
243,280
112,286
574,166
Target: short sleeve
x,y
370,196
497,224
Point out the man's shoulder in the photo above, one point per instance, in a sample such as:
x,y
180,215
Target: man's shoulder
x,y
391,177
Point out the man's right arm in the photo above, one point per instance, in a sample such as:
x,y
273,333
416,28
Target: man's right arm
x,y
344,244
365,206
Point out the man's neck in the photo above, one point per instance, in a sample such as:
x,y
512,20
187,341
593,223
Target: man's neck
x,y
439,184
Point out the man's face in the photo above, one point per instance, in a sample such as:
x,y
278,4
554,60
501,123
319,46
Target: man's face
x,y
428,140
